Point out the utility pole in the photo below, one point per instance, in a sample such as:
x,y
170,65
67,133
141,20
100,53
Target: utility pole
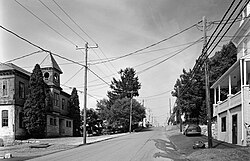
x,y
170,107
130,113
169,110
85,89
178,104
209,130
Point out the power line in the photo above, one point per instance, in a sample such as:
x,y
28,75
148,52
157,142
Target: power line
x,y
81,30
156,94
62,20
164,55
73,75
198,63
149,46
52,53
169,57
71,42
39,51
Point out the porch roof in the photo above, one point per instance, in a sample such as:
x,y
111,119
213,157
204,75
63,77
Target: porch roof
x,y
226,74
223,80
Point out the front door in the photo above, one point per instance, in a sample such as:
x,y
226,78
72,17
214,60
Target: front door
x,y
234,129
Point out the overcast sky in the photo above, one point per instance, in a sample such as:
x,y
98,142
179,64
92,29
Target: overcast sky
x,y
119,27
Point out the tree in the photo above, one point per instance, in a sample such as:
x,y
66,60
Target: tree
x,y
122,88
74,111
35,105
93,121
121,110
104,110
192,101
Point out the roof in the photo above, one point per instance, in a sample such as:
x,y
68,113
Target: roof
x,y
10,66
49,62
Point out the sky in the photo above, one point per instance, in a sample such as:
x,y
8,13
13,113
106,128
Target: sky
x,y
119,27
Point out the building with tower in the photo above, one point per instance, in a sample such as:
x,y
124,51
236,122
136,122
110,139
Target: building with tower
x,y
13,91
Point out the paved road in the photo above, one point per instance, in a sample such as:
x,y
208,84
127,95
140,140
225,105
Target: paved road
x,y
146,146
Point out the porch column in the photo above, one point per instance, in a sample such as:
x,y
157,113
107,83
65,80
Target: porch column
x,y
219,94
229,86
215,99
245,71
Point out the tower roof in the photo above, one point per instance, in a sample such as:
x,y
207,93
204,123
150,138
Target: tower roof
x,y
49,62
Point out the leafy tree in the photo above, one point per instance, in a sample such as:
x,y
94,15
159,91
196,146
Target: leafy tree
x,y
121,111
122,88
74,111
192,101
35,105
93,121
104,110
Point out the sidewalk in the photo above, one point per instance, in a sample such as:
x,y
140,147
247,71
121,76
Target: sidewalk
x,y
221,151
23,151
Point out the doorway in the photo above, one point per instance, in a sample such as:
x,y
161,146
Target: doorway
x,y
234,129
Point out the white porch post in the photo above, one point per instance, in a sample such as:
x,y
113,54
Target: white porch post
x,y
219,94
245,71
230,86
243,80
215,99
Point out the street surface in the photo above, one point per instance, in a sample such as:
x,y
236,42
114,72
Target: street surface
x,y
146,146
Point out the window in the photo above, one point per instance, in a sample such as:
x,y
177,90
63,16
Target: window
x,y
54,122
51,121
68,123
223,124
56,99
56,77
21,123
46,75
21,90
63,104
4,118
4,88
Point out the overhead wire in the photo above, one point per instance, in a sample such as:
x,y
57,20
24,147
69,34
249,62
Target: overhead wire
x,y
62,20
71,42
206,56
24,56
149,46
156,64
52,53
68,27
81,29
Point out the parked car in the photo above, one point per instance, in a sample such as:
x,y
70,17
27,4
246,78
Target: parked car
x,y
192,129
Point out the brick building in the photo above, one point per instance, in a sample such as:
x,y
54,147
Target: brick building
x,y
13,91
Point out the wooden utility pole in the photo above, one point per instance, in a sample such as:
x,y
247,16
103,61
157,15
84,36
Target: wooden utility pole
x,y
85,89
179,107
130,113
209,130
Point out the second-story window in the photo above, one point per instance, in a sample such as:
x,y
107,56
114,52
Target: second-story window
x,y
5,88
63,104
21,90
56,99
